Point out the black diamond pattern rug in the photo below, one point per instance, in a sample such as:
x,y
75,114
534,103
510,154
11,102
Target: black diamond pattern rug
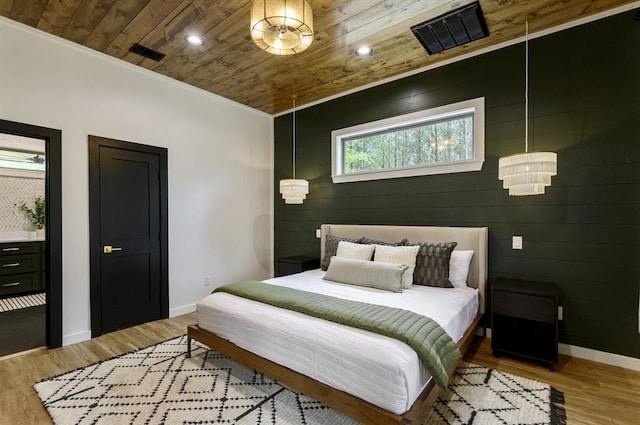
x,y
159,385
478,395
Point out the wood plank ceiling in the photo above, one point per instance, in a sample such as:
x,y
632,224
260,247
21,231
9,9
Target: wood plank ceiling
x,y
232,66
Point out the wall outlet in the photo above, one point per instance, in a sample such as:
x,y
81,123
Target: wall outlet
x,y
207,281
516,242
560,312
318,233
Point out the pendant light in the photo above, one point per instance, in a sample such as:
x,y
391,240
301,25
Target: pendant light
x,y
282,27
527,173
294,191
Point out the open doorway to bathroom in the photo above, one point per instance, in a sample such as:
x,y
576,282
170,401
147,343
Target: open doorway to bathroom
x,y
22,243
30,238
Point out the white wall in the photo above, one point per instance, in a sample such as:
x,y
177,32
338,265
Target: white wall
x,y
220,161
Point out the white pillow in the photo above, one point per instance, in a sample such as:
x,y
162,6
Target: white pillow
x,y
459,267
354,251
399,255
366,273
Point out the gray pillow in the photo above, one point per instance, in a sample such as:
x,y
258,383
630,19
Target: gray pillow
x,y
331,247
371,274
368,241
432,264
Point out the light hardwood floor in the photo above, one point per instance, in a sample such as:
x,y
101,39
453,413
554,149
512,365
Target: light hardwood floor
x,y
594,393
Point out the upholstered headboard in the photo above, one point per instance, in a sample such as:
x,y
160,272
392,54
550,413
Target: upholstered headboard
x,y
475,238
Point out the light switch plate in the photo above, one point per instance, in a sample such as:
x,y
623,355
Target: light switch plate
x,y
317,233
516,242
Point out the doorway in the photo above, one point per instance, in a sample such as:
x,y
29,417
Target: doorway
x,y
128,234
50,250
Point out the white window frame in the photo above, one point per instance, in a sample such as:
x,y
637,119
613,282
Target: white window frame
x,y
473,106
23,144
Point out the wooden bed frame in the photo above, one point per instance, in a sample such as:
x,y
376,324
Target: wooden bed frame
x,y
358,409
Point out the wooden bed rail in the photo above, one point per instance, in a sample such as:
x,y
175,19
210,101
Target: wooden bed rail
x,y
345,403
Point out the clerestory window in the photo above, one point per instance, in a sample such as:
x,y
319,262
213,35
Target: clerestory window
x,y
446,139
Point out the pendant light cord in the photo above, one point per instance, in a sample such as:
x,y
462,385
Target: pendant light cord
x,y
294,137
526,89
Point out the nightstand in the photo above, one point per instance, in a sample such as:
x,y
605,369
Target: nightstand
x,y
296,264
524,319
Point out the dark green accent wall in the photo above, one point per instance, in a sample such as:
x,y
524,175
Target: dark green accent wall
x,y
583,234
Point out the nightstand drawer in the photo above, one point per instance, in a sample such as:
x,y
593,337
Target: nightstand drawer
x,y
525,319
525,306
296,264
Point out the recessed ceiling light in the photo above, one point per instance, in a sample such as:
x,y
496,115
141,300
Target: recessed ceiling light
x,y
364,51
194,40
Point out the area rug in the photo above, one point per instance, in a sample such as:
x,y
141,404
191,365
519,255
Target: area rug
x,y
25,301
159,385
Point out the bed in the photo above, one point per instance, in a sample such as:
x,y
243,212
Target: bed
x,y
329,365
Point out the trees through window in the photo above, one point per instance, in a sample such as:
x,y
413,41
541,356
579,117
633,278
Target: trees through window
x,y
440,140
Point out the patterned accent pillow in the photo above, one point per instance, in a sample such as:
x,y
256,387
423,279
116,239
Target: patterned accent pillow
x,y
331,248
432,264
368,241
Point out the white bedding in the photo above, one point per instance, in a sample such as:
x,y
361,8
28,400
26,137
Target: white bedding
x,y
375,368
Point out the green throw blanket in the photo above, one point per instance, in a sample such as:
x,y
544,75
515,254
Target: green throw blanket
x,y
434,346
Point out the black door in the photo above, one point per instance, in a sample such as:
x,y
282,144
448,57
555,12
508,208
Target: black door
x,y
127,197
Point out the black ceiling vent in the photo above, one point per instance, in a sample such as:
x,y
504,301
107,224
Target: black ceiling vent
x,y
148,53
452,29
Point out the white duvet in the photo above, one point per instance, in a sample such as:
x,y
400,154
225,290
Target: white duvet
x,y
375,368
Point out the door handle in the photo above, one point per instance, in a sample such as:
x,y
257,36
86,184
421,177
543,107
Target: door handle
x,y
108,249
11,265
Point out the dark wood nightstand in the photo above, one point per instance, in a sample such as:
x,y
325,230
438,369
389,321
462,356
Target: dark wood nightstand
x,y
296,264
524,319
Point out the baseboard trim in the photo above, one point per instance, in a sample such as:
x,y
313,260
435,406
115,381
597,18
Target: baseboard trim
x,y
76,337
86,335
593,355
178,311
600,356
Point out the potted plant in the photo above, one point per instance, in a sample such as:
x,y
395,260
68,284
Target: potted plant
x,y
36,215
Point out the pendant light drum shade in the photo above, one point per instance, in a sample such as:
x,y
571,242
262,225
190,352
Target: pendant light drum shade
x,y
527,173
294,191
282,27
